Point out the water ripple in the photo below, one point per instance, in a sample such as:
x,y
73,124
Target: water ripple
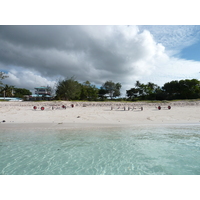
x,y
130,151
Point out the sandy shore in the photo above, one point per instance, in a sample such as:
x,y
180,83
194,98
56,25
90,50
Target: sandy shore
x,y
96,114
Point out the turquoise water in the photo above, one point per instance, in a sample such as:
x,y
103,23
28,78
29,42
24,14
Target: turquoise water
x,y
170,150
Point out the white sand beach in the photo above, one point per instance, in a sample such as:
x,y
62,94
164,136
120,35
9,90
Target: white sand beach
x,y
96,114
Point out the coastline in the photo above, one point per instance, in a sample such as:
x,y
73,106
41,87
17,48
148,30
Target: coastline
x,y
18,115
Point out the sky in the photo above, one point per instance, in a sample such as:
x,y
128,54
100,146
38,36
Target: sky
x,y
34,56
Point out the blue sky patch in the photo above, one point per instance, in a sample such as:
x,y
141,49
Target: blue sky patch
x,y
192,52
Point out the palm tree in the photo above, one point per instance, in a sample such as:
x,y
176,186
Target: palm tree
x,y
137,84
8,90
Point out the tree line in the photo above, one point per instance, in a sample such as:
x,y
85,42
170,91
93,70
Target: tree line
x,y
71,89
183,89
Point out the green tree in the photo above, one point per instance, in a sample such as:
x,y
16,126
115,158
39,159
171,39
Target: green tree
x,y
112,89
20,92
140,88
160,94
151,90
102,93
117,92
183,89
8,90
143,91
132,94
88,91
171,89
68,89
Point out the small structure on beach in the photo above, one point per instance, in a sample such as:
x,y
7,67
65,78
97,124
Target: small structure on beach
x,y
41,93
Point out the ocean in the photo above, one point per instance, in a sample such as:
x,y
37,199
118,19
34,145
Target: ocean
x,y
136,150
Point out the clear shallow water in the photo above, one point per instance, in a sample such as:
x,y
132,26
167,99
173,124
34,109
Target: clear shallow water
x,y
120,151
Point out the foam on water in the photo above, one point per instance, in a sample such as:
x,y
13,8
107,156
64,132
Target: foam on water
x,y
135,150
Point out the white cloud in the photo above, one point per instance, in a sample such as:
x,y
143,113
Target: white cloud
x,y
174,38
174,69
22,78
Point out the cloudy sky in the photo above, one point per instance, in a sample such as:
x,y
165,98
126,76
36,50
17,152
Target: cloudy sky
x,y
35,56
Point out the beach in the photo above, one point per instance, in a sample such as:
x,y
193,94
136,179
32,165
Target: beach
x,y
99,138
96,114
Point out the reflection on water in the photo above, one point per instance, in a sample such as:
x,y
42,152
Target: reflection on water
x,y
136,150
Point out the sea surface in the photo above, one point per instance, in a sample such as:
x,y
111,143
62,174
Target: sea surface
x,y
147,150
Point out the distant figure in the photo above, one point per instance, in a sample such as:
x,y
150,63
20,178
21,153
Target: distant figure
x,y
141,108
159,108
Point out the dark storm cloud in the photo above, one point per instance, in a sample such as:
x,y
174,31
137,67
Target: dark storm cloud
x,y
94,53
59,37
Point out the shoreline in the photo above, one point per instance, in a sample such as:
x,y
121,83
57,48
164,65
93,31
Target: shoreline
x,y
96,114
70,126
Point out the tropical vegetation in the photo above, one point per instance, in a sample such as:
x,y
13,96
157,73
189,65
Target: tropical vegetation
x,y
71,89
183,89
